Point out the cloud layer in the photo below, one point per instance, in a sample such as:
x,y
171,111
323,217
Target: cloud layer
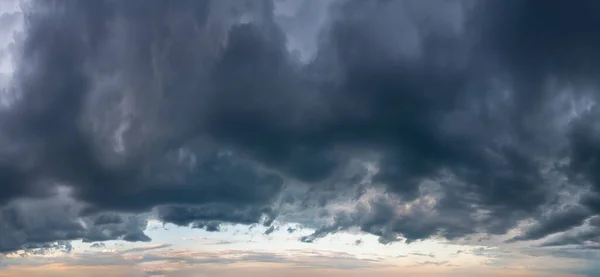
x,y
408,120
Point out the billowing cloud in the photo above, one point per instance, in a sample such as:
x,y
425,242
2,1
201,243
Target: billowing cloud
x,y
36,224
403,119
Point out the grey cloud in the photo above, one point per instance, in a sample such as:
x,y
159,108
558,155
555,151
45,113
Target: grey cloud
x,y
581,253
97,172
198,109
270,230
210,226
595,221
575,237
97,245
565,37
586,237
423,255
46,248
109,218
185,215
131,229
561,50
434,263
559,221
36,224
143,249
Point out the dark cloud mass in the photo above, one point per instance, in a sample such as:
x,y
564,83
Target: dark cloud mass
x,y
431,120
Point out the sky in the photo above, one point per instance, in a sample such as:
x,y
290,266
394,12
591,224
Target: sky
x,y
274,138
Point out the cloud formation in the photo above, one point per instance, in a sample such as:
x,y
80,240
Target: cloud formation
x,y
409,120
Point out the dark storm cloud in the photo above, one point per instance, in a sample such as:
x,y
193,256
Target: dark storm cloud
x,y
62,129
184,215
575,238
199,109
559,221
46,248
210,226
416,109
499,166
554,40
37,224
32,227
108,218
585,236
72,147
131,229
536,39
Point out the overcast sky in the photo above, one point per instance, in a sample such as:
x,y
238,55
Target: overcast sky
x,y
299,138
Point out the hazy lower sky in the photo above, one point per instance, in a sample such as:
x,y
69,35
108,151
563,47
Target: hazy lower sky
x,y
181,251
299,138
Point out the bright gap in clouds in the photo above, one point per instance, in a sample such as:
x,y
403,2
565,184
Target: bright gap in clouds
x,y
176,251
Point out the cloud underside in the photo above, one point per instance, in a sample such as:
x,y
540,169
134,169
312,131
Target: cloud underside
x,y
410,120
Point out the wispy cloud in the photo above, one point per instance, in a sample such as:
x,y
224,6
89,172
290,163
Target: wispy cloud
x,y
147,248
